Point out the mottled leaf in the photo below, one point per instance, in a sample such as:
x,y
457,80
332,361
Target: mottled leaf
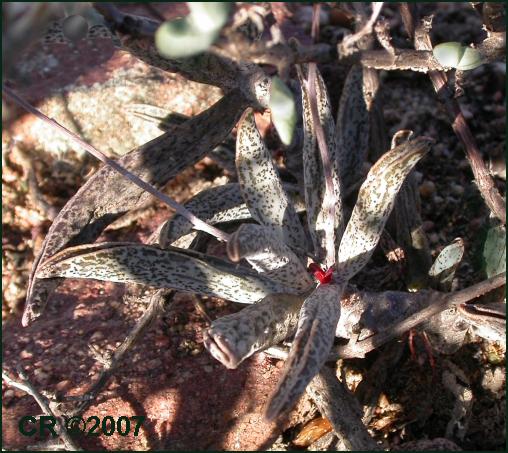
x,y
182,270
313,340
107,195
353,128
494,251
314,178
264,250
374,204
233,338
215,205
262,188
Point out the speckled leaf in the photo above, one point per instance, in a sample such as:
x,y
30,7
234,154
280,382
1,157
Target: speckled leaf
x,y
313,167
494,251
215,205
446,263
353,127
183,270
107,195
233,338
264,250
262,188
374,204
313,340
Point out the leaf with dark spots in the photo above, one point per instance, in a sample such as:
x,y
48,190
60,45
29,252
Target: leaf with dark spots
x,y
353,127
313,341
233,338
374,204
314,179
107,195
263,249
262,188
172,268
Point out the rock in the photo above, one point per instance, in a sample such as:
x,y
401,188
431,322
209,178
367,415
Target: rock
x,y
427,188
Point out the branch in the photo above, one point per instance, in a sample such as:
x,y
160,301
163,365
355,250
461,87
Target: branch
x,y
198,223
44,404
484,180
443,302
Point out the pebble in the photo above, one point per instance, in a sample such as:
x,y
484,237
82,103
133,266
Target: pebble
x,y
433,238
428,225
467,113
153,364
427,188
25,355
9,393
96,336
457,189
438,199
208,368
63,385
41,376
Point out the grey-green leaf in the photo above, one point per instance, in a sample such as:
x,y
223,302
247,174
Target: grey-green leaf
x,y
262,188
494,251
353,127
180,38
374,204
444,267
182,270
313,341
282,106
313,167
233,338
107,195
265,251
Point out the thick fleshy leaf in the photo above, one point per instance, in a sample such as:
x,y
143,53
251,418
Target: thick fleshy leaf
x,y
494,251
107,195
264,250
447,262
313,341
374,204
178,269
262,188
215,205
353,128
283,110
314,179
233,338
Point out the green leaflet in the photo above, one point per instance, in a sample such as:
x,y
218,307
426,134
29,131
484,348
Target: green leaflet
x,y
374,204
194,33
172,268
309,351
263,249
262,188
445,265
282,106
494,251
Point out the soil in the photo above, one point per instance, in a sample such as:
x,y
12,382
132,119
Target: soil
x,y
189,400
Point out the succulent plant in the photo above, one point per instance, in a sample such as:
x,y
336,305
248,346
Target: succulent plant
x,y
277,247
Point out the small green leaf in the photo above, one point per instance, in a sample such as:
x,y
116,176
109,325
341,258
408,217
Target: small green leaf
x,y
494,251
282,105
455,55
208,16
180,39
445,265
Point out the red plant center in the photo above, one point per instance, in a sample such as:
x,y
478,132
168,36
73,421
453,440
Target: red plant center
x,y
322,276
